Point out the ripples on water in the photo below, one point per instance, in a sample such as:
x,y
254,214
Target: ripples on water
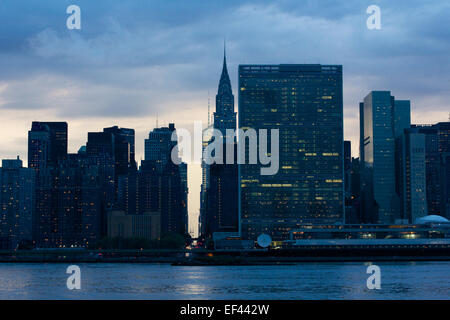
x,y
424,280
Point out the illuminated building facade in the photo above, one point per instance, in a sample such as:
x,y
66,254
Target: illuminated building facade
x,y
16,203
304,102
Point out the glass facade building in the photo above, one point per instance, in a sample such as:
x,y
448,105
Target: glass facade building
x,y
305,103
412,144
437,158
383,120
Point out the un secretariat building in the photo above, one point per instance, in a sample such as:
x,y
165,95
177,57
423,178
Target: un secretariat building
x,y
305,103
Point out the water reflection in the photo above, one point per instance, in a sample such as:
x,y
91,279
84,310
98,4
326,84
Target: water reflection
x,y
421,280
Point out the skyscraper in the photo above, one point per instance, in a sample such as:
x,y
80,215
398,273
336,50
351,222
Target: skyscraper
x,y
437,157
79,208
412,184
47,144
206,139
16,203
162,184
124,149
117,145
222,192
444,151
347,168
304,102
384,120
159,145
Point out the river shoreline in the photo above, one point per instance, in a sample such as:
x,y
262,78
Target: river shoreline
x,y
214,258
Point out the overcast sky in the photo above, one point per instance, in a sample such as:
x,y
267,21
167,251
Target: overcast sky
x,y
135,59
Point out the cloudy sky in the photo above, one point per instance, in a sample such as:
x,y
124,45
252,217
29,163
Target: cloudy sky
x,y
137,59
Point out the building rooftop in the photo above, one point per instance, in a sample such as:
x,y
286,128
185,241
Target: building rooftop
x,y
431,219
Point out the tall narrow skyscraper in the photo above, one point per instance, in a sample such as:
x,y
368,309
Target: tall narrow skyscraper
x,y
412,184
222,193
304,102
47,146
162,184
384,120
437,158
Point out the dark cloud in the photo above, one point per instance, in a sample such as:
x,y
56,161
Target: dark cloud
x,y
136,59
133,58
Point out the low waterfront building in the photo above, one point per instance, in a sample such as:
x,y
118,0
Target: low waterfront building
x,y
423,229
146,225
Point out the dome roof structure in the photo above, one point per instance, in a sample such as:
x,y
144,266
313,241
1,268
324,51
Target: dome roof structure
x,y
431,219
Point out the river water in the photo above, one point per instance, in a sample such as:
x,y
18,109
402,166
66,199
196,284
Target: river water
x,y
408,280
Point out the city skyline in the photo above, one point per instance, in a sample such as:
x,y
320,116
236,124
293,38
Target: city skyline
x,y
53,74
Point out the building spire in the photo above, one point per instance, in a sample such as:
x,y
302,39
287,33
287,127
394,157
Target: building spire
x,y
209,110
224,68
224,52
224,83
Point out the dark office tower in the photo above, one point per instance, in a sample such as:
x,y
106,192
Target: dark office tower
x,y
149,187
162,183
164,192
100,143
361,132
365,200
16,203
412,182
437,156
173,209
433,168
206,139
124,149
38,146
304,102
159,145
58,138
347,167
354,216
128,199
47,142
185,193
347,181
384,120
47,145
223,201
444,151
222,194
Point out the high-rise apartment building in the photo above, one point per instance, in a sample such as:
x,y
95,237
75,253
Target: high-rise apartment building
x,y
17,194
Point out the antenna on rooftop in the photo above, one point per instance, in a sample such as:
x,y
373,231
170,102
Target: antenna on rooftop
x,y
209,110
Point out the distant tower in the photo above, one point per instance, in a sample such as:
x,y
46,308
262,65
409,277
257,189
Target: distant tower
x,y
384,121
222,190
224,117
